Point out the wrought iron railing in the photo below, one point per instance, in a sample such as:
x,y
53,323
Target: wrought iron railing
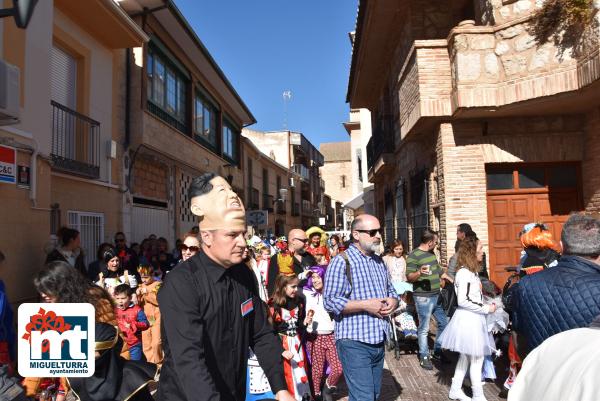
x,y
75,142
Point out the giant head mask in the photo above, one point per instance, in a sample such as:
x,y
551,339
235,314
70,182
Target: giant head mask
x,y
215,203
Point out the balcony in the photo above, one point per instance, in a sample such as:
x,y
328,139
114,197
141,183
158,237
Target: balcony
x,y
296,209
268,202
302,171
253,201
380,148
425,85
491,73
75,142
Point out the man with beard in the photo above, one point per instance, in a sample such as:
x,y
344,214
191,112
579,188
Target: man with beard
x,y
295,260
424,271
210,309
359,292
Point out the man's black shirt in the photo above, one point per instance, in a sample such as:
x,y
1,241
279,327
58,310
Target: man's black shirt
x,y
205,337
306,261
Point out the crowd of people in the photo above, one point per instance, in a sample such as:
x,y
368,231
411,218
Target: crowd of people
x,y
230,317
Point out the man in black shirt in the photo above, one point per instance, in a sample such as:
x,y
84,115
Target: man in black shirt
x,y
211,312
296,260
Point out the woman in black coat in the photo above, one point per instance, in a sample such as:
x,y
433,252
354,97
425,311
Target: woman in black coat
x,y
68,250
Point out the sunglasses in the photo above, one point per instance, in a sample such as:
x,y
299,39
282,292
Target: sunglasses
x,y
371,233
184,247
303,240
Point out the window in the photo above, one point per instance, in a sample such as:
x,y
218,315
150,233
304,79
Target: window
x,y
500,179
531,177
342,181
166,90
230,141
63,78
91,231
205,121
360,176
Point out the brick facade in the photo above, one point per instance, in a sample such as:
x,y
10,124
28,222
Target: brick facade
x,y
591,163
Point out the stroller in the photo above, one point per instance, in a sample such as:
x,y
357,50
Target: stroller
x,y
403,323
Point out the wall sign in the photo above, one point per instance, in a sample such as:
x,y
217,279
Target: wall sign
x,y
8,169
257,218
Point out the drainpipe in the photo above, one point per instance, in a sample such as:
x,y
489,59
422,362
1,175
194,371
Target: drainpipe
x,y
127,99
33,189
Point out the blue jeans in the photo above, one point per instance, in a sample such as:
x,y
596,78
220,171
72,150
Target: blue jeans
x,y
135,352
427,306
363,367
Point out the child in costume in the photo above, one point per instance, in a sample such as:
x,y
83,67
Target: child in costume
x,y
146,293
131,320
467,331
320,339
257,383
287,313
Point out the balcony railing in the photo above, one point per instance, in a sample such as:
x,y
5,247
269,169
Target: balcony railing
x,y
302,170
296,209
268,202
381,142
75,142
253,201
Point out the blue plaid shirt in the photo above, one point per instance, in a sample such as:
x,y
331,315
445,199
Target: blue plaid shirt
x,y
370,279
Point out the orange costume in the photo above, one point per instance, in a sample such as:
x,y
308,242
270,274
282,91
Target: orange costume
x,y
151,341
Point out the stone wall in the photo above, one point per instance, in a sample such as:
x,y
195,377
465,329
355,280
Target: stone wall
x,y
501,63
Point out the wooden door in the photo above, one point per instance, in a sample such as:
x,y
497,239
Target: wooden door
x,y
513,203
507,214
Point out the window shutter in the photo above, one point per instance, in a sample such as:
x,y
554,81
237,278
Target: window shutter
x,y
63,77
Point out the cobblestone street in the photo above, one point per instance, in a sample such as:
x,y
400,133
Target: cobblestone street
x,y
403,379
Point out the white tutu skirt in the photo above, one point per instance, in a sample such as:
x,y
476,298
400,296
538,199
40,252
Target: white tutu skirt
x,y
467,334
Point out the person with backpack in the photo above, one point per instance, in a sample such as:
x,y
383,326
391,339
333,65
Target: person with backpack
x,y
359,293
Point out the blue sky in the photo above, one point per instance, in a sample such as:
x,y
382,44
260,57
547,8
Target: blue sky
x,y
265,47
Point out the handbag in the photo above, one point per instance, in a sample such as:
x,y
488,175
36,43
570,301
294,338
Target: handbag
x,y
447,299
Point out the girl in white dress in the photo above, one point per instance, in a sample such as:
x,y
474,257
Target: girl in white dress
x,y
467,332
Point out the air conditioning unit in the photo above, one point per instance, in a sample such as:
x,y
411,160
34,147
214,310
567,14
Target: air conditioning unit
x,y
292,182
9,93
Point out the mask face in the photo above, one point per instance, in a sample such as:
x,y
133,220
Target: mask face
x,y
219,209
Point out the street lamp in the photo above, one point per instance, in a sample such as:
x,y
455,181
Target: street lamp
x,y
22,10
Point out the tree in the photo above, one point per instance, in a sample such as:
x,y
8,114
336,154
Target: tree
x,y
569,24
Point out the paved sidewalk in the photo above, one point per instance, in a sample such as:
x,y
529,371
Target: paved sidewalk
x,y
405,380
